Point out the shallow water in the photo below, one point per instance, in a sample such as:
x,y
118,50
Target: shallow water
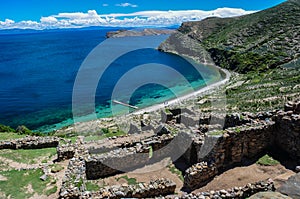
x,y
37,74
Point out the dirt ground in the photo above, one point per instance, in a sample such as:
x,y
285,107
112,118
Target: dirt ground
x,y
236,177
240,176
146,174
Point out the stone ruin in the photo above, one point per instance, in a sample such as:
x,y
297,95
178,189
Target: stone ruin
x,y
243,139
30,142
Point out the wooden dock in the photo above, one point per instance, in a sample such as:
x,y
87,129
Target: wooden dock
x,y
124,104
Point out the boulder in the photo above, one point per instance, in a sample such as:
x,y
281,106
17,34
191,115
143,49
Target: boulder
x,y
291,187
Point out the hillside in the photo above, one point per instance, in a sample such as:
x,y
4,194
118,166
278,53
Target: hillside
x,y
255,42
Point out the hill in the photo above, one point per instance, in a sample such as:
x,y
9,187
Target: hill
x,y
255,42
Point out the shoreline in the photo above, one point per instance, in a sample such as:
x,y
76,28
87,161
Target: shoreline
x,y
201,91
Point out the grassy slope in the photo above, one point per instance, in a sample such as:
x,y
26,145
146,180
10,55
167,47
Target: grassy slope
x,y
18,182
255,42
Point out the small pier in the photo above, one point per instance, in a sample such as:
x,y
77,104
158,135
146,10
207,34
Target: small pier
x,y
124,104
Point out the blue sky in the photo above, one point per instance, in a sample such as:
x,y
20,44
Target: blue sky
x,y
34,10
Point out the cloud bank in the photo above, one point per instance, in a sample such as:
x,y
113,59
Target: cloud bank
x,y
137,19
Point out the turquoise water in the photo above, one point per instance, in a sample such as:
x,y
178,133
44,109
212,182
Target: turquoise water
x,y
38,71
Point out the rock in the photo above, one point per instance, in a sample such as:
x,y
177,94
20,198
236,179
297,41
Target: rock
x,y
297,169
291,187
44,177
269,195
133,129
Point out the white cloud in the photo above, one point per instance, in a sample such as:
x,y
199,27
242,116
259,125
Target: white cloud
x,y
126,5
137,19
105,5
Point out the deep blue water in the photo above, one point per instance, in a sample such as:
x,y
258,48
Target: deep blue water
x,y
37,74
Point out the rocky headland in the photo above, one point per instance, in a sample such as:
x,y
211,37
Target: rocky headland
x,y
136,33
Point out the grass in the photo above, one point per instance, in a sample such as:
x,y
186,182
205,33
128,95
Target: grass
x,y
150,152
8,136
130,181
4,128
17,181
267,161
216,133
176,171
90,186
56,168
4,166
29,156
51,191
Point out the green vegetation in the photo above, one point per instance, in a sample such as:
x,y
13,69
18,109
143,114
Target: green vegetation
x,y
6,129
30,156
105,133
255,42
267,161
56,168
130,181
167,111
216,133
150,152
8,136
90,186
51,191
18,183
269,91
255,92
176,171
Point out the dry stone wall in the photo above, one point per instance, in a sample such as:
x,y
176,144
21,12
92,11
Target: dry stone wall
x,y
156,188
288,131
234,193
30,142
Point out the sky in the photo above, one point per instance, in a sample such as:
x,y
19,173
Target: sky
x,y
45,14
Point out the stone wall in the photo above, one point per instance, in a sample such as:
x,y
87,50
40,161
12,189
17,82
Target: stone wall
x,y
199,174
126,159
234,146
30,142
243,143
155,188
236,192
288,131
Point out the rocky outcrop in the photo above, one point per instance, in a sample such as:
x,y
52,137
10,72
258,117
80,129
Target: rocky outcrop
x,y
144,32
185,46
